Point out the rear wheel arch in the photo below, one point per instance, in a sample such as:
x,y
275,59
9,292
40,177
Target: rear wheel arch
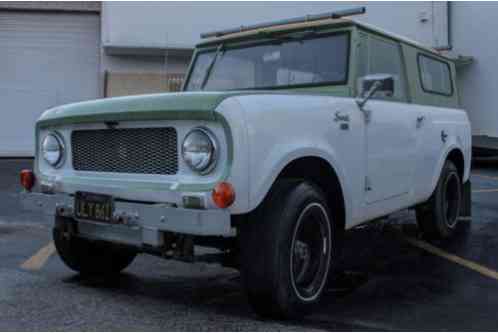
x,y
456,156
438,216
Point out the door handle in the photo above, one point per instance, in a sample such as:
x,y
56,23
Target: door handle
x,y
420,121
339,116
444,136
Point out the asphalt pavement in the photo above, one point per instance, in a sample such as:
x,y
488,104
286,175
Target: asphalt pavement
x,y
389,279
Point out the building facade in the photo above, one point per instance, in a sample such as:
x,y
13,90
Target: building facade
x,y
50,55
57,52
146,44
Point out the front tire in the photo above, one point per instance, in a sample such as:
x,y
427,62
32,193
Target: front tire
x,y
286,250
87,257
438,217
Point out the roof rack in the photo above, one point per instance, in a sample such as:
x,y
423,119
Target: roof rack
x,y
307,18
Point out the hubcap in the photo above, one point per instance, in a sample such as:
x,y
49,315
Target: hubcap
x,y
451,200
310,252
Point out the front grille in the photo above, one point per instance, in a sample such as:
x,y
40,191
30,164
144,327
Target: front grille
x,y
128,150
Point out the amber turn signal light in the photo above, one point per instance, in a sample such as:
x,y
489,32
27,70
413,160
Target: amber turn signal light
x,y
223,194
27,179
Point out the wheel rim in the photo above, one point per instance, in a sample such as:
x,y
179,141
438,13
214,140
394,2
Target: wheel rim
x,y
451,200
310,252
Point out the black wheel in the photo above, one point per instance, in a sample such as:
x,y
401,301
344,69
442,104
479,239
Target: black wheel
x,y
286,250
438,217
90,258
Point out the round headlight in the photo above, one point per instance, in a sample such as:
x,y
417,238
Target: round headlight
x,y
53,149
199,150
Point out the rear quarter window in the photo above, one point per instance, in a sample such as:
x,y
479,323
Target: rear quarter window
x,y
435,75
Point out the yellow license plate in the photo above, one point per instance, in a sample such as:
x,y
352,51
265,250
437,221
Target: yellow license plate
x,y
94,207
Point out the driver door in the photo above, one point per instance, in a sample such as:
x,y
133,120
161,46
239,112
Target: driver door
x,y
390,126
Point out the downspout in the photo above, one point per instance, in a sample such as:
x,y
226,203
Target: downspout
x,y
448,20
449,45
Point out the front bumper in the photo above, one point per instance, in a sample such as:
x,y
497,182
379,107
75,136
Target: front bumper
x,y
139,223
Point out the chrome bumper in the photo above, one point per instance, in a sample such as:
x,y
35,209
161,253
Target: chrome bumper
x,y
139,223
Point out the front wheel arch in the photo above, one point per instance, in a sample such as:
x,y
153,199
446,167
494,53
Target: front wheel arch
x,y
318,171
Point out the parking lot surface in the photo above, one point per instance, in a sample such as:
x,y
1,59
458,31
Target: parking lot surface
x,y
389,279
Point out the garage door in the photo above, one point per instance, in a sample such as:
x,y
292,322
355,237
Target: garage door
x,y
46,59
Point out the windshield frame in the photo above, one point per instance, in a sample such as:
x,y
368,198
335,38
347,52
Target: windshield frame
x,y
271,40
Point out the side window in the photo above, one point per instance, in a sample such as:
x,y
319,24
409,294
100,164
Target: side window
x,y
435,75
378,56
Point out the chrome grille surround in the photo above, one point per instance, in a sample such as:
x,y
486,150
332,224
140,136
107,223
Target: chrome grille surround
x,y
126,150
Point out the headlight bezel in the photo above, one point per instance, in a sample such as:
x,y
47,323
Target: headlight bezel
x,y
62,148
213,161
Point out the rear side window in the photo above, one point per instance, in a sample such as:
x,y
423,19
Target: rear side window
x,y
435,75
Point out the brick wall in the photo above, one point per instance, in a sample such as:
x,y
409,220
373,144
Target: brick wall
x,y
121,84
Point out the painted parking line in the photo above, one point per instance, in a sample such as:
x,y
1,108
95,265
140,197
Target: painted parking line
x,y
485,190
453,258
485,176
38,260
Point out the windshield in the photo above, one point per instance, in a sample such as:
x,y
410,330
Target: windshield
x,y
283,63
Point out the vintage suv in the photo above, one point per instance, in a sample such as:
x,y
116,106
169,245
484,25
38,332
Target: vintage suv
x,y
285,135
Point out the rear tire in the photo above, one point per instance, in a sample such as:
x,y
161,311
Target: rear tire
x,y
90,258
286,250
438,217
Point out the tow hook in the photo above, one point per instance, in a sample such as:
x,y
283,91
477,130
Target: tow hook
x,y
179,247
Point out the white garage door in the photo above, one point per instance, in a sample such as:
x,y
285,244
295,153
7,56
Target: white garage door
x,y
46,59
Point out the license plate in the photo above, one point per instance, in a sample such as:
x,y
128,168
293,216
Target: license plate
x,y
95,207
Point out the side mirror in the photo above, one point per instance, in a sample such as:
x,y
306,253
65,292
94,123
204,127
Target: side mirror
x,y
372,84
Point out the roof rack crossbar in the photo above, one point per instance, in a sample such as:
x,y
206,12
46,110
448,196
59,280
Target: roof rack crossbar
x,y
302,19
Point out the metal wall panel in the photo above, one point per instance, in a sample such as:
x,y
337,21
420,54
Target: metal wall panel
x,y
46,59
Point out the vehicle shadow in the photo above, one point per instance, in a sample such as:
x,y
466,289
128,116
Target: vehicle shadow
x,y
378,279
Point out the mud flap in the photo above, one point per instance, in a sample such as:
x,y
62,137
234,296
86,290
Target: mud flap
x,y
466,208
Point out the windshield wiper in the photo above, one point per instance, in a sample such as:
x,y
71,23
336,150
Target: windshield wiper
x,y
211,65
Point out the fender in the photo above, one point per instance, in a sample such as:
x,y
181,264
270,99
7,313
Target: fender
x,y
293,153
302,134
453,144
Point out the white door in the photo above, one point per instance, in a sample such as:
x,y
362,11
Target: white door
x,y
46,59
390,130
391,150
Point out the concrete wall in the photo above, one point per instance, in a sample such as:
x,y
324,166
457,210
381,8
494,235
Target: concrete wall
x,y
178,24
473,32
